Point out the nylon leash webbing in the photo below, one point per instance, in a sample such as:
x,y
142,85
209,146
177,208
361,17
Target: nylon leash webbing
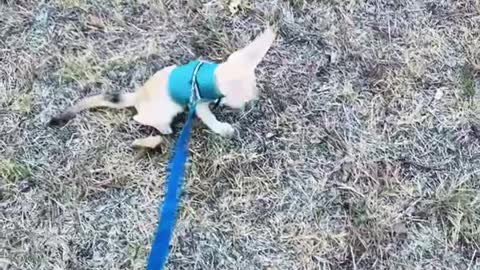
x,y
174,182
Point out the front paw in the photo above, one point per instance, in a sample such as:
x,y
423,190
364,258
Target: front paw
x,y
225,129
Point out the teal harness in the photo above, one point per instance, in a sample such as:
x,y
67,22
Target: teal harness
x,y
181,79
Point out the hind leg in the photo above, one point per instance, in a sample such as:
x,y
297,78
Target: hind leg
x,y
151,141
162,126
157,115
148,142
160,120
165,127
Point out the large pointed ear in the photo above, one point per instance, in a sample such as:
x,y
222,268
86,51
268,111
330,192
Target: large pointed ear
x,y
251,55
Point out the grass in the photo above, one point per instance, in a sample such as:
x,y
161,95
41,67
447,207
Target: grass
x,y
362,152
23,104
459,209
12,171
468,84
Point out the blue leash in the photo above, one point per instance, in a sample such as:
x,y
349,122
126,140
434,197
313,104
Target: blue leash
x,y
176,174
160,247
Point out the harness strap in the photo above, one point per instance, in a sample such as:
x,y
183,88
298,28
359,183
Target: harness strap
x,y
195,97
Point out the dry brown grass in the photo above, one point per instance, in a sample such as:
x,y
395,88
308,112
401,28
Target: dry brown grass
x,y
363,152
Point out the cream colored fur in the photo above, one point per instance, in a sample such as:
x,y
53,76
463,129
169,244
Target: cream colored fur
x,y
235,79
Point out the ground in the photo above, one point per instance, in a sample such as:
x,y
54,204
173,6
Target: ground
x,y
361,153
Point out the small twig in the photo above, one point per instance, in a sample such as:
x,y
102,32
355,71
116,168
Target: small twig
x,y
421,166
353,259
353,190
472,259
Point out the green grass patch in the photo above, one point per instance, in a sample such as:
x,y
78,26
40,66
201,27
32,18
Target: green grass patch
x,y
13,171
22,104
460,211
467,83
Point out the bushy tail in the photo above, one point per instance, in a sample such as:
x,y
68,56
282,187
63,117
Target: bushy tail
x,y
251,55
116,101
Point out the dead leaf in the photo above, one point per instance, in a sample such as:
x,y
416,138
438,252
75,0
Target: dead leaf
x,y
95,22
